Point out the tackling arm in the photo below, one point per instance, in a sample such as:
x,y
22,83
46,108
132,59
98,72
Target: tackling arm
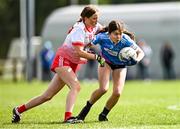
x,y
82,53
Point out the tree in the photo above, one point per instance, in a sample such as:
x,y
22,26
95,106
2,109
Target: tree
x,y
9,21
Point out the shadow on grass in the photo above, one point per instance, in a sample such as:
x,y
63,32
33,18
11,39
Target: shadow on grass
x,y
49,123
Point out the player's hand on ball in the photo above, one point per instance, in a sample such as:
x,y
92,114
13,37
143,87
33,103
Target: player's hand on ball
x,y
131,62
100,59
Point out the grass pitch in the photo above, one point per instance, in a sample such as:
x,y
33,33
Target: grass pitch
x,y
143,105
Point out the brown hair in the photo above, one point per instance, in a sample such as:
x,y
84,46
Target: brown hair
x,y
115,25
88,11
130,34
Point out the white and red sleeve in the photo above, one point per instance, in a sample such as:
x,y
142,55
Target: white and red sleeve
x,y
77,37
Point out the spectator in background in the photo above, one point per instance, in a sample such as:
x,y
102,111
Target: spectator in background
x,y
167,58
47,56
143,66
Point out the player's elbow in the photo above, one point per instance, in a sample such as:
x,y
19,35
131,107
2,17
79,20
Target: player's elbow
x,y
141,54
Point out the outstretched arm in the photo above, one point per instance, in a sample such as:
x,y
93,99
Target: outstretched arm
x,y
82,53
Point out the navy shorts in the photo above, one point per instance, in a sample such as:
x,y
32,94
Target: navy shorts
x,y
113,67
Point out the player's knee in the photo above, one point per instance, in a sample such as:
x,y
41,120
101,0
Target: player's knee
x,y
76,87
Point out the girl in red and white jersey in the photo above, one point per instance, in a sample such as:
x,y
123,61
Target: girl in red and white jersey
x,y
65,63
79,35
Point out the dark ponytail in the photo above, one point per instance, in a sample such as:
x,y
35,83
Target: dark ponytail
x,y
104,29
117,25
130,34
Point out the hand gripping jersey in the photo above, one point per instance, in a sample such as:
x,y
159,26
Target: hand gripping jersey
x,y
109,50
79,35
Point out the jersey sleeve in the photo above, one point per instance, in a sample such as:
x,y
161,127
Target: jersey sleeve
x,y
131,43
77,37
134,46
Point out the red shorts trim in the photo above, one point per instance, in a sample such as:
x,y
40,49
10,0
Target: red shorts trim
x,y
60,62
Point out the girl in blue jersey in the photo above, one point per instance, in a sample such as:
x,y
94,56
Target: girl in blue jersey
x,y
111,43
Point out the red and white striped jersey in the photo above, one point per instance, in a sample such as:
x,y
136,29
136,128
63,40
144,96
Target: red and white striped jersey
x,y
79,35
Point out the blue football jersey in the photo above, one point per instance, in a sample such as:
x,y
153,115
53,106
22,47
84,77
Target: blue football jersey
x,y
109,50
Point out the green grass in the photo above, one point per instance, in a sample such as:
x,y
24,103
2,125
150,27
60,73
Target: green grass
x,y
143,105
